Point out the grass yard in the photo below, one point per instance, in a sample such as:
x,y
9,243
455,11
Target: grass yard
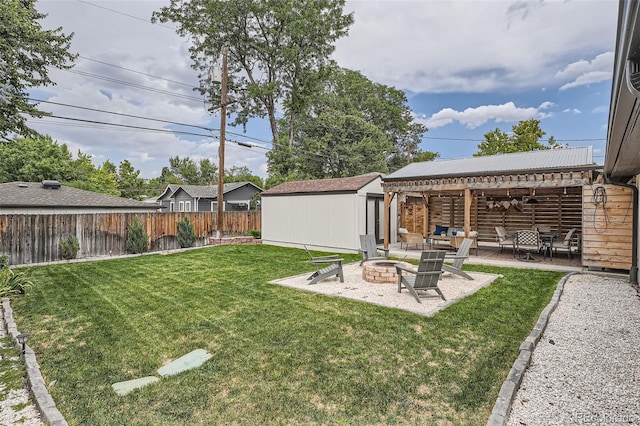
x,y
280,356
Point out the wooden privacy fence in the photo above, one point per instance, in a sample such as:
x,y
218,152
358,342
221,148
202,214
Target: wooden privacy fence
x,y
35,238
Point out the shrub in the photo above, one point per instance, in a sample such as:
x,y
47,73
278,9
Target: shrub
x,y
4,261
255,233
69,247
137,239
186,234
12,283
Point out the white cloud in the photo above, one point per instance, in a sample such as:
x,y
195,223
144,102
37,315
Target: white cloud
x,y
572,111
585,72
475,117
464,46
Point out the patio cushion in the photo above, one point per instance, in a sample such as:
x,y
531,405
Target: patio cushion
x,y
440,229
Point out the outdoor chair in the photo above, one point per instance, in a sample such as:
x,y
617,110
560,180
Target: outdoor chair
x,y
333,267
526,243
370,250
425,278
458,259
568,241
407,238
504,239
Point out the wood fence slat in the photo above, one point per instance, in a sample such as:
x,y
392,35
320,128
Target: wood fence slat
x,y
35,238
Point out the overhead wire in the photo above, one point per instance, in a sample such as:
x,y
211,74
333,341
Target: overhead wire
x,y
128,15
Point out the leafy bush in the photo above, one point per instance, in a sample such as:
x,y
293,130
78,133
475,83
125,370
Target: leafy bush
x,y
186,234
4,261
69,247
255,233
137,239
12,283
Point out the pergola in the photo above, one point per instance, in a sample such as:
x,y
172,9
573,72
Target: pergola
x,y
506,176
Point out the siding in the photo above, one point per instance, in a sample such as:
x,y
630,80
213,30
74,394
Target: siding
x,y
607,227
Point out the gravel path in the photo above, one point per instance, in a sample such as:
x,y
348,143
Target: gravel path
x,y
16,407
586,367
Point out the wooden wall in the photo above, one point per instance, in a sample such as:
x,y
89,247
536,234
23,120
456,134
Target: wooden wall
x,y
555,209
607,227
35,238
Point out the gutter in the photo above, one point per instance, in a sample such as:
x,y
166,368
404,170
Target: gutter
x,y
633,272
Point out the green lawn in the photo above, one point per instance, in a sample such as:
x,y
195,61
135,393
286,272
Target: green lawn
x,y
280,356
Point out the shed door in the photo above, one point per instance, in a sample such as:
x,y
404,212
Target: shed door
x,y
375,218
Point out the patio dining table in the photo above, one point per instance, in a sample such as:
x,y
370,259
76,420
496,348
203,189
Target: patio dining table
x,y
548,238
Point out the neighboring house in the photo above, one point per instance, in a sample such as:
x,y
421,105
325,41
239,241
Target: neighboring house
x,y
326,213
622,157
237,196
49,197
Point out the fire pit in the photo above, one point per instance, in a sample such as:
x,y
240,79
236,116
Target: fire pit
x,y
381,271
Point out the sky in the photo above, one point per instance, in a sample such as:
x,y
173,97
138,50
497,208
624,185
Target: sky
x,y
467,67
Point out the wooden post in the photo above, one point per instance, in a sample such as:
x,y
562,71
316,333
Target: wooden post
x,y
387,204
223,125
467,212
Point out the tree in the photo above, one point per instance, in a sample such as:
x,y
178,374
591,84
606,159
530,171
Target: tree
x,y
242,174
102,179
35,159
352,127
525,137
275,48
191,173
26,54
130,183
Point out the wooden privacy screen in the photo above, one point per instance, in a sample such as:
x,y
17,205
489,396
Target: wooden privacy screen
x,y
607,217
35,238
554,209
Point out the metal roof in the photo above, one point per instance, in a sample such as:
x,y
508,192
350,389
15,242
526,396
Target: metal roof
x,y
531,161
33,194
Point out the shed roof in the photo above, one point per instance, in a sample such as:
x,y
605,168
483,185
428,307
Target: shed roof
x,y
531,161
33,194
323,186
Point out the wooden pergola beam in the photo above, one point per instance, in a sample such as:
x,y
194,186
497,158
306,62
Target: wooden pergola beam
x,y
535,180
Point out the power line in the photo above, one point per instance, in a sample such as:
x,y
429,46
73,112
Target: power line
x,y
126,14
137,72
136,85
126,115
544,140
119,126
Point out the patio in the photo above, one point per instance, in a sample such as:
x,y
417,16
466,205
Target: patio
x,y
490,254
355,287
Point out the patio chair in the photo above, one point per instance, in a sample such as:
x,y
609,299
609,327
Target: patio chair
x,y
424,278
504,239
370,250
333,267
407,238
458,259
528,242
568,241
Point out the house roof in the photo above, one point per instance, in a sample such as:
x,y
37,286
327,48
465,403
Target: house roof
x,y
33,194
204,191
519,162
317,186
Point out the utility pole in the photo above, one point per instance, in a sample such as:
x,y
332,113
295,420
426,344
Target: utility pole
x,y
223,125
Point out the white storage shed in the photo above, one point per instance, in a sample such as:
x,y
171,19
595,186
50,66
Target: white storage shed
x,y
326,214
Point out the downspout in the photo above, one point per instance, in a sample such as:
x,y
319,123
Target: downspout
x,y
633,272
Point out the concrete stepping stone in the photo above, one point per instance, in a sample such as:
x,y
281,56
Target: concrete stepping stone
x,y
186,362
123,388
